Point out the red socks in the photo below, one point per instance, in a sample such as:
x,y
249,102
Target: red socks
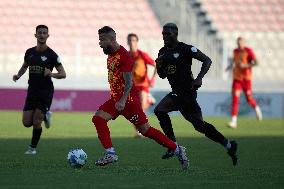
x,y
235,105
152,133
251,101
103,131
160,138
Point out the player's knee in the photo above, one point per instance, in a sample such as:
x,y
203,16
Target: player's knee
x,y
248,93
27,123
38,118
159,113
143,128
237,93
199,125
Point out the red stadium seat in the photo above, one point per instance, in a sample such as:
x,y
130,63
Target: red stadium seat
x,y
245,12
73,20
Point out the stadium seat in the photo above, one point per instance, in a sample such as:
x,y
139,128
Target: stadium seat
x,y
261,22
73,27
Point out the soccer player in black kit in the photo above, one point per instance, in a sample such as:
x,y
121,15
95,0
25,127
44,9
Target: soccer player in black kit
x,y
40,60
174,63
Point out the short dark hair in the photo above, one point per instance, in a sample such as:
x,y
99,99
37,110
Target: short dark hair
x,y
172,26
41,26
240,38
132,35
106,29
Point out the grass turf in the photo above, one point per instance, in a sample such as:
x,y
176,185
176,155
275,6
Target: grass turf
x,y
261,156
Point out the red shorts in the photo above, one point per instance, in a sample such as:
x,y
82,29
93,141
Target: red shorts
x,y
239,85
132,111
142,88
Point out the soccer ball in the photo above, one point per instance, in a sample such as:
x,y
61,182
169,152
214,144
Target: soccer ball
x,y
77,158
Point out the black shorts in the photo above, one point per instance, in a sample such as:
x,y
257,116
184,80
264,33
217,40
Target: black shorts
x,y
187,104
42,103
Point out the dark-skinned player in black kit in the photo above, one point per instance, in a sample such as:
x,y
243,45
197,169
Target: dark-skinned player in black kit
x,y
174,63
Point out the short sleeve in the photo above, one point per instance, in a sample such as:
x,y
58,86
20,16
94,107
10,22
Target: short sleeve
x,y
148,59
160,52
191,51
56,60
126,62
251,54
26,56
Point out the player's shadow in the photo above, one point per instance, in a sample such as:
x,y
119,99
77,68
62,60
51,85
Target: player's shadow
x,y
140,164
144,152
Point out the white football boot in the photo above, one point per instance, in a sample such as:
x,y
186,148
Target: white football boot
x,y
233,122
31,151
258,113
181,155
232,125
47,119
107,159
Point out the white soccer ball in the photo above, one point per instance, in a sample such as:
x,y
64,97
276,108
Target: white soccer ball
x,y
77,158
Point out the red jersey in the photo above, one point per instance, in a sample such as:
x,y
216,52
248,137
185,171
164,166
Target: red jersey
x,y
243,56
117,63
140,77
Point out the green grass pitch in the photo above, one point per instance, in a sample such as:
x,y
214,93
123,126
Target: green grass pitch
x,y
261,156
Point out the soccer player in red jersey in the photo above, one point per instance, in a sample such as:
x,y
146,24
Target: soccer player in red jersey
x,y
140,74
124,100
243,61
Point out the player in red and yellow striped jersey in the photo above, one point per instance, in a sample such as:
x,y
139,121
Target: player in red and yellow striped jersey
x,y
124,101
141,80
243,61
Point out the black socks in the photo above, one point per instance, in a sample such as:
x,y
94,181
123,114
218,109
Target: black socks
x,y
166,125
35,137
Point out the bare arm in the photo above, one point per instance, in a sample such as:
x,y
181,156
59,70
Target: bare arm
x,y
206,63
160,67
149,61
119,105
61,74
128,85
153,76
254,61
230,65
21,72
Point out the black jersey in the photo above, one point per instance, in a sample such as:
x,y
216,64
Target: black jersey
x,y
37,62
176,66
